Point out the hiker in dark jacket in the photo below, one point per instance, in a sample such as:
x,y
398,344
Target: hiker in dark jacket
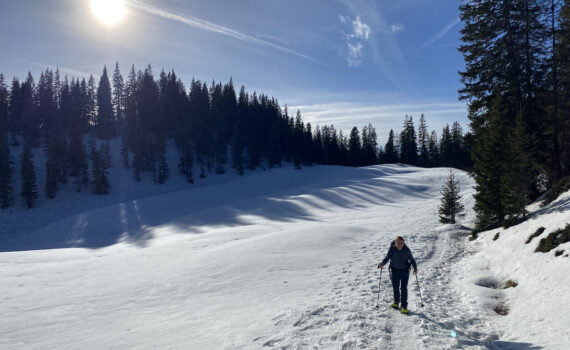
x,y
401,259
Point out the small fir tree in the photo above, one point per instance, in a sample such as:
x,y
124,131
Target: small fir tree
x,y
450,200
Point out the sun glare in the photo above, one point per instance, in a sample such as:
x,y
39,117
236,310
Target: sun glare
x,y
108,11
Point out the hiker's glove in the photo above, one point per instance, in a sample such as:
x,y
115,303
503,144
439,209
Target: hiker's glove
x,y
380,265
415,271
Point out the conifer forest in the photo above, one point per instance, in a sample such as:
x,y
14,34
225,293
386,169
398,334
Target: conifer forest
x,y
214,128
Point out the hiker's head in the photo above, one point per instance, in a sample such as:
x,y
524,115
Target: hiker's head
x,y
399,241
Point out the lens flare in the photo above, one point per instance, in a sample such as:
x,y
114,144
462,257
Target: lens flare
x,y
108,11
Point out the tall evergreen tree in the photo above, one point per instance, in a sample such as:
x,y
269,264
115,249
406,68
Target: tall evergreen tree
x,y
503,52
118,96
517,175
105,122
369,145
433,150
390,153
6,190
354,148
408,143
561,135
28,112
423,140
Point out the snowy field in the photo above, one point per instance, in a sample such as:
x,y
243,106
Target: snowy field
x,y
282,259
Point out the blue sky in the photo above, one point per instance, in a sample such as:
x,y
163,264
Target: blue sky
x,y
347,62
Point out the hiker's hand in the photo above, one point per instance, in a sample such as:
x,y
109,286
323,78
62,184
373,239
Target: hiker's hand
x,y
415,271
380,265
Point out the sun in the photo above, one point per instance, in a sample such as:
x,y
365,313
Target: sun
x,y
108,11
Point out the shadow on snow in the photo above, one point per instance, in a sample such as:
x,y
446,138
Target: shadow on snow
x,y
286,195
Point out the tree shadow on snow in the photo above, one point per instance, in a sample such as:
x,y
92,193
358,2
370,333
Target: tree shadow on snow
x,y
288,197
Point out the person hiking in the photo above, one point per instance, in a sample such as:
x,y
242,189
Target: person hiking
x,y
401,259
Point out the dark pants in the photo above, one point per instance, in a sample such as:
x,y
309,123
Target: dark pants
x,y
400,281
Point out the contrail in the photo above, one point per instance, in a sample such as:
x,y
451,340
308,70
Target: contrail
x,y
211,27
441,33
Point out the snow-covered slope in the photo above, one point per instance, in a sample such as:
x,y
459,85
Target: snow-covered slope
x,y
275,259
539,306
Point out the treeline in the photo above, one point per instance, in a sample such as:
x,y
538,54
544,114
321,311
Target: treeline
x,y
517,83
425,149
213,127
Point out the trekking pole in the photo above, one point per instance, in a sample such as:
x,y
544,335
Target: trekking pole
x,y
419,290
380,280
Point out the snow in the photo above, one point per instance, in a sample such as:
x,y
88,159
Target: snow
x,y
274,259
539,307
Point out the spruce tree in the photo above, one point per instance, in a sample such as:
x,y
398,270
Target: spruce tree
x,y
433,150
118,96
562,121
503,51
369,145
408,143
489,157
390,153
354,148
30,118
446,147
517,175
450,205
105,122
423,140
6,189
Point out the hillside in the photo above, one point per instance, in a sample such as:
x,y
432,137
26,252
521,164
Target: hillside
x,y
274,259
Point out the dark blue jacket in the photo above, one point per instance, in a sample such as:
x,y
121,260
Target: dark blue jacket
x,y
400,259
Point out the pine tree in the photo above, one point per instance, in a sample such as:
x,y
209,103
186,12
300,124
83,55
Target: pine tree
x,y
423,141
489,157
105,122
503,52
562,121
6,189
450,201
433,150
456,146
390,153
369,145
298,140
30,118
91,102
446,147
408,144
517,175
118,96
28,175
354,148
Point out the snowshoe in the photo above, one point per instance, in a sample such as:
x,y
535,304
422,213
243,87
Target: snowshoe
x,y
395,306
404,311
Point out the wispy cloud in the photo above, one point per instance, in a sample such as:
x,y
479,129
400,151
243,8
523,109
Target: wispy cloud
x,y
345,115
441,33
396,28
385,52
355,40
215,28
354,56
63,70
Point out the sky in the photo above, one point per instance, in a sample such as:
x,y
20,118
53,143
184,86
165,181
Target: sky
x,y
341,62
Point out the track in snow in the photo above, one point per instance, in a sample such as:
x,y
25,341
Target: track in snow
x,y
348,318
